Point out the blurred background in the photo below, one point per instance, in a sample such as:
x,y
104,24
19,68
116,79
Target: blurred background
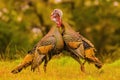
x,y
24,22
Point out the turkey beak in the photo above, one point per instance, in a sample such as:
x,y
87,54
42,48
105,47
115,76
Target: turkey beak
x,y
53,17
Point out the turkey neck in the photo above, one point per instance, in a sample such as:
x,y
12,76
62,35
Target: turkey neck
x,y
56,32
66,28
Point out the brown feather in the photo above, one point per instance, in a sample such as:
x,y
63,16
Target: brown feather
x,y
74,45
89,52
45,49
25,63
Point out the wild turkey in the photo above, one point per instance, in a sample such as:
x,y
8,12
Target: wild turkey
x,y
42,51
76,44
51,44
27,61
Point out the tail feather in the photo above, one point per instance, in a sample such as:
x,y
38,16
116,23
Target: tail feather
x,y
90,56
24,64
98,63
38,59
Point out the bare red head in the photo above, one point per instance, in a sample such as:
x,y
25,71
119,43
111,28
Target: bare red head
x,y
56,16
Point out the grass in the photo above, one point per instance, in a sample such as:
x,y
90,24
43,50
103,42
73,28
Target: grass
x,y
61,69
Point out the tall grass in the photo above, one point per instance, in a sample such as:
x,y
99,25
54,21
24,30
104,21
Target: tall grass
x,y
61,69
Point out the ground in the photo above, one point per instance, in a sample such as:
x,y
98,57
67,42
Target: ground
x,y
61,69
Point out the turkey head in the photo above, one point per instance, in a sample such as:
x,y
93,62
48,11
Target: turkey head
x,y
56,16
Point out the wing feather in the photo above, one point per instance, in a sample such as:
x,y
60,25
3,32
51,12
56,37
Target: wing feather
x,y
45,49
74,45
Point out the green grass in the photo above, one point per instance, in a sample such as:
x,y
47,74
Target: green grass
x,y
61,69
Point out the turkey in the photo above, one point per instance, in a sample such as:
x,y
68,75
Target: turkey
x,y
27,61
51,44
77,45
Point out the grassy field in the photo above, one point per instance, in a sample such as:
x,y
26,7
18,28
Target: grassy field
x,y
61,69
